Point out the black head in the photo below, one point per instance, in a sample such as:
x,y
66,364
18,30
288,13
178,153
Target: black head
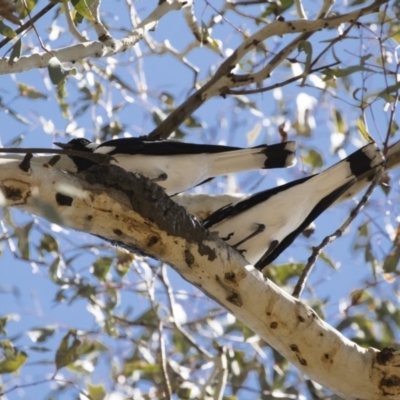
x,y
78,144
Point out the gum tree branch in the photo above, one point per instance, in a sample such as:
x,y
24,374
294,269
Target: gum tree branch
x,y
223,79
199,205
106,45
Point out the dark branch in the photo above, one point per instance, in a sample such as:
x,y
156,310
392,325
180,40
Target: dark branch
x,y
97,158
29,23
279,84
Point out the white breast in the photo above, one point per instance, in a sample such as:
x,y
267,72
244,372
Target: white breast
x,y
183,172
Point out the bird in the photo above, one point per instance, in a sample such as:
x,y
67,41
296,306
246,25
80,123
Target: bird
x,y
263,225
178,166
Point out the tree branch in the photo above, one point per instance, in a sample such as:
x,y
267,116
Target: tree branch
x,y
105,47
199,205
223,79
29,23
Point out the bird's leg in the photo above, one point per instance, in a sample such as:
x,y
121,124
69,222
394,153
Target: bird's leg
x,y
260,229
271,248
259,264
161,178
225,239
26,162
53,160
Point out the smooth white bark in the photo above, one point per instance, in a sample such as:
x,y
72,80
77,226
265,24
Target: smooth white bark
x,y
132,212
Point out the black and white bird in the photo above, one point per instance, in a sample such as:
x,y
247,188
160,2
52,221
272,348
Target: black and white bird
x,y
179,166
264,224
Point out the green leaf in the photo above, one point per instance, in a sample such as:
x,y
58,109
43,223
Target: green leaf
x,y
40,349
101,267
307,48
363,230
109,326
328,261
281,274
314,159
56,71
48,244
40,335
89,347
22,234
360,296
392,261
3,323
357,2
386,93
277,8
168,99
342,72
25,7
340,123
13,363
6,31
192,122
30,92
124,261
112,299
111,130
16,51
55,271
82,8
66,354
363,130
96,392
85,291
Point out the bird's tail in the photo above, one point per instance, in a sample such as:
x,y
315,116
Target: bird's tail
x,y
355,165
280,155
326,188
330,184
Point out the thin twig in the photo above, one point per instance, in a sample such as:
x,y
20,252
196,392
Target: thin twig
x,y
183,332
339,232
300,9
97,158
29,23
223,77
167,384
250,2
280,84
221,365
71,25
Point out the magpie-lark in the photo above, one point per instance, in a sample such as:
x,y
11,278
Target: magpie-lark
x,y
179,166
264,224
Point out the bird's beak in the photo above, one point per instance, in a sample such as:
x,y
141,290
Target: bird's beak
x,y
64,146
